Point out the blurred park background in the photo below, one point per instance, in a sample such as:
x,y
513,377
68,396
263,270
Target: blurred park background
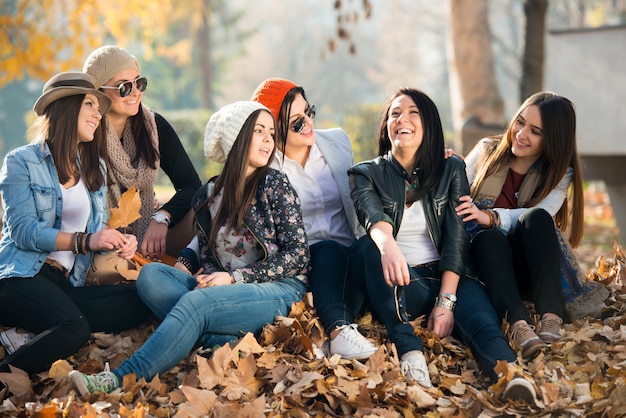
x,y
477,59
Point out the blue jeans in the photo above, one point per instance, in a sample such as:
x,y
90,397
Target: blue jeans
x,y
475,320
337,295
160,287
208,317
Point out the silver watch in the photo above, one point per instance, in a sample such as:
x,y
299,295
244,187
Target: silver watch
x,y
161,218
450,296
237,277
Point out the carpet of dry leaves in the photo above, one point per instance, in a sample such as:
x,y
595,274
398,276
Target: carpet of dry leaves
x,y
278,374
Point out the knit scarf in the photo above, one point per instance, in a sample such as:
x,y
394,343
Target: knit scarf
x,y
491,186
122,173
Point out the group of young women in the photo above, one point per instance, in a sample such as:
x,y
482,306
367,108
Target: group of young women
x,y
290,212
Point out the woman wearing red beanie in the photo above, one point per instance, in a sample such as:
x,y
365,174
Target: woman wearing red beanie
x,y
316,162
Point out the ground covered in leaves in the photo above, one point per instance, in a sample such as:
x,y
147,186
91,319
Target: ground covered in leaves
x,y
278,374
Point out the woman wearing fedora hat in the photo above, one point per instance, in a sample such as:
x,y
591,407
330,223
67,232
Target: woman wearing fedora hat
x,y
247,263
138,142
53,193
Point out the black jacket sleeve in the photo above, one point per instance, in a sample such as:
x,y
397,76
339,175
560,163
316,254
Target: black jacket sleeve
x,y
176,164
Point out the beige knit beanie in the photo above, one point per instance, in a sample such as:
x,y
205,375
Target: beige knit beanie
x,y
224,127
107,61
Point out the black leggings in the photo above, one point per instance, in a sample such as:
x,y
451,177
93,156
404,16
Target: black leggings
x,y
63,316
522,266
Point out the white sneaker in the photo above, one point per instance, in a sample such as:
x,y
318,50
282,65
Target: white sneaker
x,y
414,367
13,338
351,344
520,389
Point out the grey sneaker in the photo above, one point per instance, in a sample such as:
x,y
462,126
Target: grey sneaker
x,y
414,367
104,381
351,344
550,329
525,339
520,389
13,338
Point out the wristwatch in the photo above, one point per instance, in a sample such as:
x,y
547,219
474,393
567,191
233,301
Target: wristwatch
x,y
237,277
445,300
161,218
450,296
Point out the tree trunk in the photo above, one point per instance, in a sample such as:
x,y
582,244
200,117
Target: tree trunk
x,y
477,106
206,67
534,46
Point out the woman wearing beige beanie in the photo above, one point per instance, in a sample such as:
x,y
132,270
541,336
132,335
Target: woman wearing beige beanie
x,y
247,264
139,141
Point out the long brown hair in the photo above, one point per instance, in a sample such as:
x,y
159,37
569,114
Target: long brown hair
x,y
558,117
282,124
430,156
143,143
239,190
58,126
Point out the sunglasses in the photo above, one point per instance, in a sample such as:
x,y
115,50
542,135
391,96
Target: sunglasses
x,y
127,86
298,124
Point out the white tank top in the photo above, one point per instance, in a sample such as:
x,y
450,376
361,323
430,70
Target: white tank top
x,y
414,238
74,217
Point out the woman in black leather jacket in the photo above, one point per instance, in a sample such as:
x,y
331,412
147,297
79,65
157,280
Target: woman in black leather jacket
x,y
415,254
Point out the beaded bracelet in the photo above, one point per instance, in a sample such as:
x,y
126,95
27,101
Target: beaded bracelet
x,y
185,262
75,249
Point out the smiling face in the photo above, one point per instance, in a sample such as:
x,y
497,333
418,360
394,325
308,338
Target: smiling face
x,y
88,118
527,134
304,139
262,142
123,107
404,125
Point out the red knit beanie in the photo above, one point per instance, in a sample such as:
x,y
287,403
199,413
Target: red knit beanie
x,y
271,93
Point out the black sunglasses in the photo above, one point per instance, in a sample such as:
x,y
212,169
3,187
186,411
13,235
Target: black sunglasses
x,y
298,124
127,86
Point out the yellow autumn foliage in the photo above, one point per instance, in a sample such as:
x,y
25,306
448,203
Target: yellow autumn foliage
x,y
41,37
127,210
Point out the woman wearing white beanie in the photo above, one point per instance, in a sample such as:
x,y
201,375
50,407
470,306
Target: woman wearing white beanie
x,y
248,262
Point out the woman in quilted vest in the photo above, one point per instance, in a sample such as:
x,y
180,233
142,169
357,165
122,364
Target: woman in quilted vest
x,y
519,193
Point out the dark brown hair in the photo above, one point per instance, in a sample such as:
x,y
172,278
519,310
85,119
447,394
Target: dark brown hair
x,y
59,127
282,124
239,190
429,162
145,150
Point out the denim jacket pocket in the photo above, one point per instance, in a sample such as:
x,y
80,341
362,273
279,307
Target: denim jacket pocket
x,y
44,201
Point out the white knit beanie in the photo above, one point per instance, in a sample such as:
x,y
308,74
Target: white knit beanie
x,y
107,61
224,127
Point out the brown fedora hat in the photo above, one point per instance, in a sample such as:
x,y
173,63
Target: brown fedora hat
x,y
69,84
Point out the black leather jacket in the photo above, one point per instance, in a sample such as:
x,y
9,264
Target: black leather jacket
x,y
377,189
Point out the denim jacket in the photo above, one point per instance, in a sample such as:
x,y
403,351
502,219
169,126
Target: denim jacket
x,y
33,204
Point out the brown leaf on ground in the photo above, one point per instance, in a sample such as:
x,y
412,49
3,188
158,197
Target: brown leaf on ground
x,y
279,374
